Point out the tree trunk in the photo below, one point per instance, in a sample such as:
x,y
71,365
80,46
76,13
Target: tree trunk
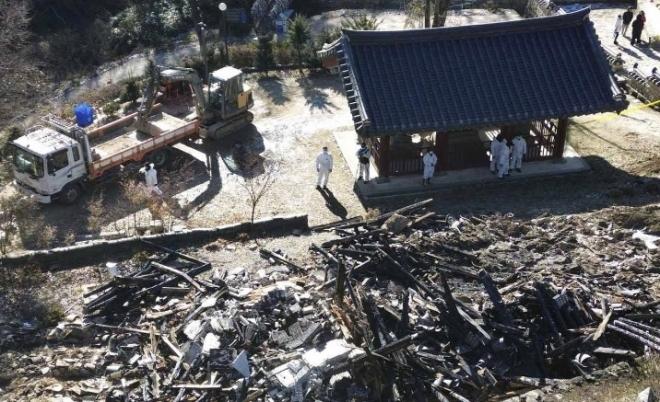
x,y
440,14
427,14
436,14
197,18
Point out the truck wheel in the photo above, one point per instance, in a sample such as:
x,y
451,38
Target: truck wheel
x,y
159,157
70,194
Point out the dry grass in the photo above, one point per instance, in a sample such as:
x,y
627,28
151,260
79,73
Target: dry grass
x,y
622,389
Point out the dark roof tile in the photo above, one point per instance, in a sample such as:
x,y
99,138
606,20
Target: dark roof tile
x,y
471,76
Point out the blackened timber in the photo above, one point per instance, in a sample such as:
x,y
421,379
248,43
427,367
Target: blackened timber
x,y
635,336
614,352
570,345
281,259
325,253
169,282
500,308
452,268
353,253
547,314
348,239
176,253
385,350
404,323
341,282
635,329
325,226
383,217
640,325
178,273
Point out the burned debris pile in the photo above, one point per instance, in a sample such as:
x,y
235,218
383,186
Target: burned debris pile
x,y
405,306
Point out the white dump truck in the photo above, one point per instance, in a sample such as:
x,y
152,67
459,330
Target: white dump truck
x,y
55,161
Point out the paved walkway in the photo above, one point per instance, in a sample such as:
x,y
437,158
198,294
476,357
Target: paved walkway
x,y
603,17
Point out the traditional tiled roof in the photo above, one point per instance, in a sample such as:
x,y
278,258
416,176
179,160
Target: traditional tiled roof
x,y
473,76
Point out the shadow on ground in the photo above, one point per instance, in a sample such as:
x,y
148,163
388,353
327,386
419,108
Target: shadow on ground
x,y
316,97
603,187
274,88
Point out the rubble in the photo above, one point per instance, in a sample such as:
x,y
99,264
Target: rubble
x,y
409,305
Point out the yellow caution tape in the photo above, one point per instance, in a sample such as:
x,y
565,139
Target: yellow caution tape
x,y
625,112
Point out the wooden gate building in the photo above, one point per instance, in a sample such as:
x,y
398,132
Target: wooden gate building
x,y
454,89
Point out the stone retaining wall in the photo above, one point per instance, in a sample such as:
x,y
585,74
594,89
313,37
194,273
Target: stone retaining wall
x,y
106,250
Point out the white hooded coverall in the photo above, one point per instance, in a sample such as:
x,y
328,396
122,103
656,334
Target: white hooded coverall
x,y
324,167
429,160
503,155
519,150
494,147
364,167
151,180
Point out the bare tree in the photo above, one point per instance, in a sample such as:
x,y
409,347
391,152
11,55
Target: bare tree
x,y
258,185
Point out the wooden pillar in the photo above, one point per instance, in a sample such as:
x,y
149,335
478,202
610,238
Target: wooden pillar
x,y
384,156
560,141
441,148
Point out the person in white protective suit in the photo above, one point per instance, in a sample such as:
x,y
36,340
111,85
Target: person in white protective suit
x,y
364,156
429,160
494,148
503,155
519,151
324,168
151,178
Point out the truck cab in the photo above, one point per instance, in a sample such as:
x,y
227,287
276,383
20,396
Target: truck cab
x,y
48,165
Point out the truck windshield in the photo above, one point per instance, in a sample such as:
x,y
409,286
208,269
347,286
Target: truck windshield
x,y
26,162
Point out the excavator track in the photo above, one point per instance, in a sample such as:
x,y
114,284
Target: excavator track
x,y
224,128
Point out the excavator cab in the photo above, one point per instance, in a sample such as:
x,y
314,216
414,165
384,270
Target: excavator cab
x,y
229,94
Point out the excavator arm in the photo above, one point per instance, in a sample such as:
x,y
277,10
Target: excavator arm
x,y
165,75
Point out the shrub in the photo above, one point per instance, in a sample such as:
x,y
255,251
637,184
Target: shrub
x,y
131,91
242,56
283,53
110,108
361,22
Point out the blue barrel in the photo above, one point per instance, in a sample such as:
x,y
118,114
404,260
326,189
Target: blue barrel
x,y
84,114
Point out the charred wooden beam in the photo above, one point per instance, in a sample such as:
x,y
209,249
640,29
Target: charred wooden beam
x,y
348,239
381,218
282,260
500,308
178,273
635,335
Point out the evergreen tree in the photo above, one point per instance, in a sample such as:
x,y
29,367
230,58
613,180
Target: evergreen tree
x,y
265,57
300,34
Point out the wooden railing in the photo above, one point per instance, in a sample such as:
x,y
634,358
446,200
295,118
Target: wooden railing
x,y
405,162
540,145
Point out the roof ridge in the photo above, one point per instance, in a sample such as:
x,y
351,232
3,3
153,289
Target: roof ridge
x,y
415,35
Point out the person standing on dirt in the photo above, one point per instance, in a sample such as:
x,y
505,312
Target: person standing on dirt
x,y
618,26
429,160
626,20
151,178
637,27
324,168
503,156
364,156
519,151
494,149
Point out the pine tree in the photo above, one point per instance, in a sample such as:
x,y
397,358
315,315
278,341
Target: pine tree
x,y
300,34
265,57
